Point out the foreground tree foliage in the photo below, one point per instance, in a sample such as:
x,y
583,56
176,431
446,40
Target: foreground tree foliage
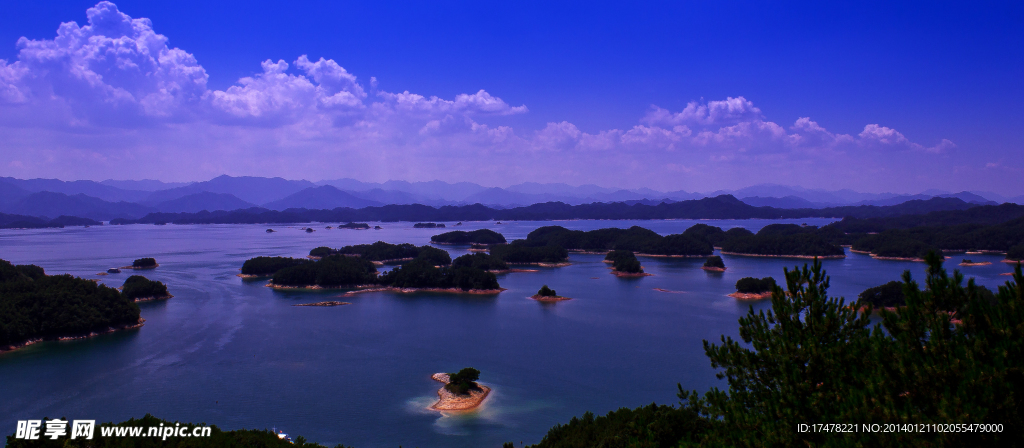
x,y
650,426
35,305
949,356
239,438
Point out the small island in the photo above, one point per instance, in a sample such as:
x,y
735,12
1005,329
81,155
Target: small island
x,y
625,264
381,253
355,226
461,392
548,295
476,237
967,262
271,230
750,288
142,263
327,303
141,289
714,263
428,225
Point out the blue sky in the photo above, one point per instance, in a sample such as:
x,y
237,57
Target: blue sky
x,y
871,96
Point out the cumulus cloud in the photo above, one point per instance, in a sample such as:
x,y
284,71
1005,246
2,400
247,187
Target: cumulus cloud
x,y
116,76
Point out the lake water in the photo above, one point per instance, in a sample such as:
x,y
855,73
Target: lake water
x,y
237,354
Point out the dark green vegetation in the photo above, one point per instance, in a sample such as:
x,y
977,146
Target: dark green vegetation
x,y
719,207
892,244
239,438
439,257
961,231
547,292
139,287
354,225
463,381
647,426
267,266
888,295
427,225
636,239
481,236
714,261
624,261
1016,253
35,305
8,221
480,261
784,239
330,271
520,252
422,274
385,252
812,359
144,263
751,285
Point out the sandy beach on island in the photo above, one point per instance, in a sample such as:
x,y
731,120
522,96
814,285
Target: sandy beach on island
x,y
981,263
253,276
713,269
1009,261
447,401
560,264
29,342
630,274
327,303
506,271
549,299
807,257
153,298
140,268
750,296
920,260
415,290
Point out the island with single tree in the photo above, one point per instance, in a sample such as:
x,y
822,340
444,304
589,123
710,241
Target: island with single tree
x,y
481,237
460,392
750,288
36,307
546,294
625,264
143,263
141,289
714,263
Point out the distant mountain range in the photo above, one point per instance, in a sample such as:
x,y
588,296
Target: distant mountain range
x,y
46,199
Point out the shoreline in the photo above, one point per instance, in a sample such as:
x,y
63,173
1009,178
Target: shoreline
x,y
549,299
506,271
13,347
1009,261
252,276
447,401
327,303
152,298
980,263
594,252
630,274
713,269
560,264
415,290
919,260
808,257
140,268
750,296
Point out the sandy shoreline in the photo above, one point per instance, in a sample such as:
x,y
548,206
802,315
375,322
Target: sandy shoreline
x,y
750,296
981,263
140,268
1009,261
327,303
506,271
549,299
29,342
630,274
919,260
253,276
560,264
415,290
808,257
447,401
713,269
153,298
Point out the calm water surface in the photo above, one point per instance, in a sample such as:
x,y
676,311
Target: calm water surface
x,y
236,354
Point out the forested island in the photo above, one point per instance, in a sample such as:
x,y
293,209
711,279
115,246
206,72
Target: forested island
x,y
625,264
382,253
141,289
636,239
714,263
427,225
750,288
521,252
355,225
546,294
481,236
37,307
143,263
426,271
784,240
